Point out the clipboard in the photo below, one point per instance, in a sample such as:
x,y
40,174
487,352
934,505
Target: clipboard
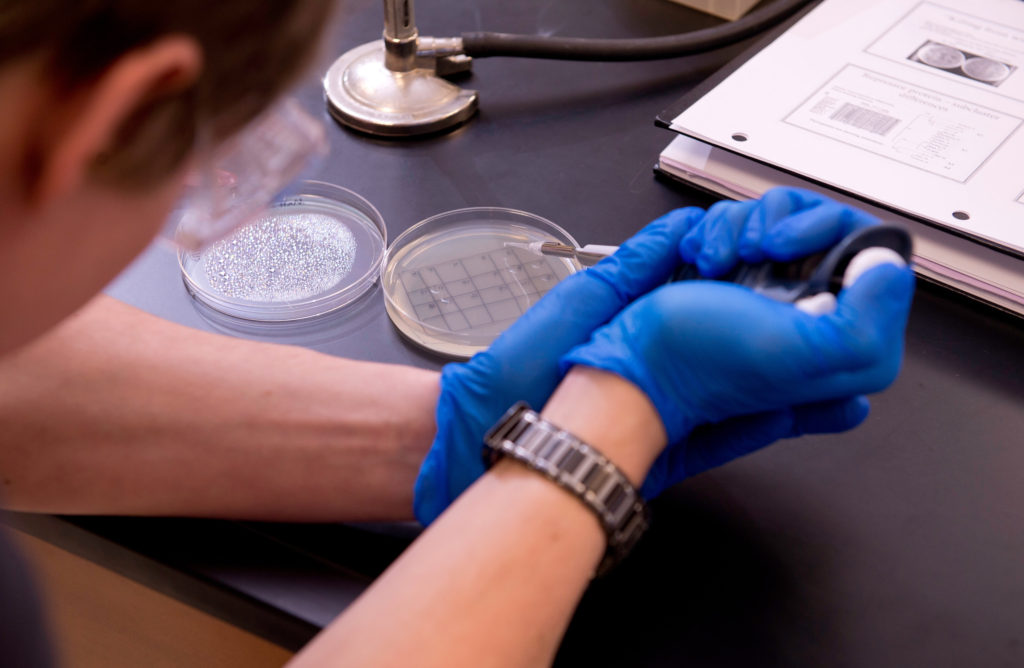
x,y
972,264
972,190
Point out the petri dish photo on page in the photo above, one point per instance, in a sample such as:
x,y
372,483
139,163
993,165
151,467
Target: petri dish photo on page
x,y
985,69
940,55
453,282
307,255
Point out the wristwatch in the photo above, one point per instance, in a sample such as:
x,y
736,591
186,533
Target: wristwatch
x,y
525,436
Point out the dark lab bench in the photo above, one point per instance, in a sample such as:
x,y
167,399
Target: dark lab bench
x,y
898,544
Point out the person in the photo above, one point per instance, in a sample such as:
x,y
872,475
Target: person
x,y
109,410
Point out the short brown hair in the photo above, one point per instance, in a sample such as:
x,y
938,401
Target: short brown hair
x,y
252,51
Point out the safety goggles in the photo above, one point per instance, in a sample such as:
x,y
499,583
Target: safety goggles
x,y
237,181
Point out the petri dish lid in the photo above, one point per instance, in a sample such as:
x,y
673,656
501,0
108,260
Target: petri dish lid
x,y
453,282
308,254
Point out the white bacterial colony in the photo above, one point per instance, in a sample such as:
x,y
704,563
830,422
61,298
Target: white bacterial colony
x,y
281,258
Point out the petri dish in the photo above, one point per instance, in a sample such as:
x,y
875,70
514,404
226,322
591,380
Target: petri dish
x,y
986,69
453,282
940,55
308,254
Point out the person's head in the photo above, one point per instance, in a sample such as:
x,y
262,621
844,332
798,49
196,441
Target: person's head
x,y
104,104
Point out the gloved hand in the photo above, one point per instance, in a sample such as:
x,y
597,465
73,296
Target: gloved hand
x,y
704,351
523,363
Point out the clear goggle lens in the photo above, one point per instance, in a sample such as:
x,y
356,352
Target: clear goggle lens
x,y
245,175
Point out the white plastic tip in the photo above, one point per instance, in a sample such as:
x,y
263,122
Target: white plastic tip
x,y
819,304
869,258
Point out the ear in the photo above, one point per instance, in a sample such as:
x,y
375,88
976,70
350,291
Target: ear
x,y
160,68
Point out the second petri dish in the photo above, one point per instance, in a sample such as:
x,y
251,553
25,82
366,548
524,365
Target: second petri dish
x,y
452,283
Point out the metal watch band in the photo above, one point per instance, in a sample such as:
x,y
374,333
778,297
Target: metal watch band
x,y
525,436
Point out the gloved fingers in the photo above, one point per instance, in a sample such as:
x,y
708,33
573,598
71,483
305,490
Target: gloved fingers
x,y
712,244
812,230
715,444
864,335
648,258
775,207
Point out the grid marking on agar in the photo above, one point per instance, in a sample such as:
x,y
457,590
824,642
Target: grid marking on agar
x,y
478,289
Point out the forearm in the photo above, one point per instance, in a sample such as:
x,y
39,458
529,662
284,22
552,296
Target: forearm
x,y
495,580
120,412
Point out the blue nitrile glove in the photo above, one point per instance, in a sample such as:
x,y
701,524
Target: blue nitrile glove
x,y
522,364
705,351
785,224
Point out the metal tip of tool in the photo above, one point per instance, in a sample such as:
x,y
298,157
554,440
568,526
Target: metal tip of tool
x,y
533,247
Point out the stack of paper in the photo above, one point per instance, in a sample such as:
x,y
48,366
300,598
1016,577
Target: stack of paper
x,y
910,109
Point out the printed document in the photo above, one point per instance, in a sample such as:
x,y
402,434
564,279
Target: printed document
x,y
917,105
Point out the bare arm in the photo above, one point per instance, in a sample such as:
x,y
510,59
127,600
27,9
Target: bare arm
x,y
118,411
495,580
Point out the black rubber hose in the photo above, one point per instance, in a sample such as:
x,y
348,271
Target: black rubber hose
x,y
490,44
